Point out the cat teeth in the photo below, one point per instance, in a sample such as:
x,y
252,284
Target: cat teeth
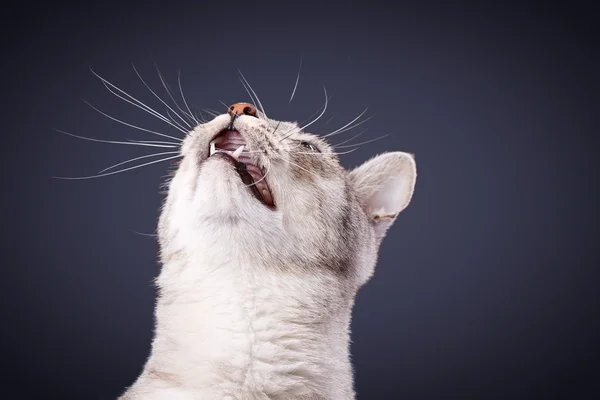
x,y
237,153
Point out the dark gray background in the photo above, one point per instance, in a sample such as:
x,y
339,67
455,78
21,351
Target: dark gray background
x,y
487,284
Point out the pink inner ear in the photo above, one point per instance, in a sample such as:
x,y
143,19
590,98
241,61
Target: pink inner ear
x,y
391,198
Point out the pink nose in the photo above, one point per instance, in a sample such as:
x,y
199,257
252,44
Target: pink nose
x,y
242,109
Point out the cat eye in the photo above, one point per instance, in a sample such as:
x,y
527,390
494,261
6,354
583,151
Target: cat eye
x,y
309,146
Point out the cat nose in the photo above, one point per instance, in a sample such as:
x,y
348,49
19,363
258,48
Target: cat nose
x,y
242,109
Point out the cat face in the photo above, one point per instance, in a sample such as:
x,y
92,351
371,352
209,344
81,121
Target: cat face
x,y
282,196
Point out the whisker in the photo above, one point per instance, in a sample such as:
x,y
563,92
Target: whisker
x,y
211,112
357,124
297,80
352,138
117,172
137,158
114,141
161,100
253,92
145,234
147,109
139,104
183,97
361,143
201,118
155,141
128,124
319,110
252,100
309,124
199,109
330,118
169,92
322,113
330,154
276,127
173,119
349,123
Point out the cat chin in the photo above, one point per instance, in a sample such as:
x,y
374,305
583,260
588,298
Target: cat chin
x,y
221,192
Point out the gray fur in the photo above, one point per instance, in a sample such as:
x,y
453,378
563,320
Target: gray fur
x,y
255,303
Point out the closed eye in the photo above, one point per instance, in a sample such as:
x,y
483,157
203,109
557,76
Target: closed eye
x,y
310,146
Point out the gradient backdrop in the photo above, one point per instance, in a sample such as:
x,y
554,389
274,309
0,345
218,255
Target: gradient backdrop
x,y
487,285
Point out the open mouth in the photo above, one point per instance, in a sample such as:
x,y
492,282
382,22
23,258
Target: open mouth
x,y
231,144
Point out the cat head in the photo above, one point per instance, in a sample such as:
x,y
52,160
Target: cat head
x,y
278,196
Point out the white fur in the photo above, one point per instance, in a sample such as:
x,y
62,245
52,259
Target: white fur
x,y
242,312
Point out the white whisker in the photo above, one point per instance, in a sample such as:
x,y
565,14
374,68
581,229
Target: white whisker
x,y
319,110
252,100
145,234
309,124
114,141
145,108
173,119
330,118
297,80
183,97
137,158
161,100
254,93
349,123
352,138
139,104
322,113
330,154
119,171
361,143
211,112
155,141
355,125
201,118
169,92
130,125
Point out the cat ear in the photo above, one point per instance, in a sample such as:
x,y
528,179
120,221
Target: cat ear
x,y
385,185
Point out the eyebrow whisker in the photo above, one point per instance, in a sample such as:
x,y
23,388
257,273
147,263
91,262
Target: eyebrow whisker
x,y
352,138
297,80
312,122
343,128
361,143
329,154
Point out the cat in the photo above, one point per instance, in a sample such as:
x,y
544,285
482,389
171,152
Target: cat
x,y
265,240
